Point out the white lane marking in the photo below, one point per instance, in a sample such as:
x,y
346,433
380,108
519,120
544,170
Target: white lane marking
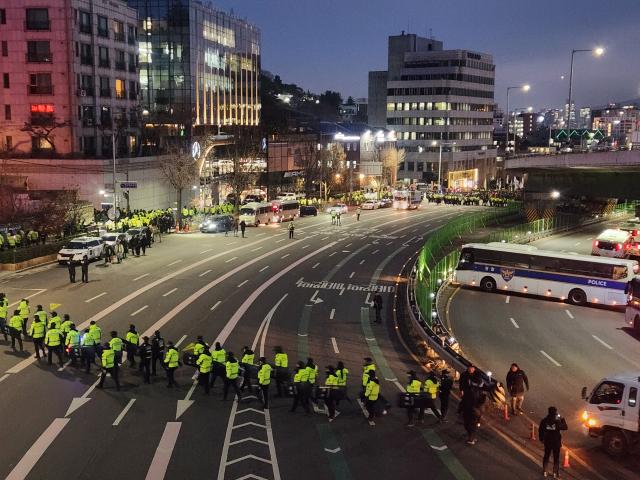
x,y
333,312
169,292
285,256
390,243
361,261
256,249
139,310
140,277
602,342
550,358
263,268
348,245
160,462
26,463
60,369
204,273
316,265
577,243
570,314
231,259
331,255
324,238
506,300
89,300
205,251
241,284
281,240
4,377
305,246
375,251
173,263
352,274
182,339
216,305
514,323
335,345
262,233
124,411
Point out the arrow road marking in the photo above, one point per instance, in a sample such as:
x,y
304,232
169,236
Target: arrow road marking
x,y
183,405
315,299
77,402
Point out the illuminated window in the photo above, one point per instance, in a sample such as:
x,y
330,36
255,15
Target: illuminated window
x,y
120,88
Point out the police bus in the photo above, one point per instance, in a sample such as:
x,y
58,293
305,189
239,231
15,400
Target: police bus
x,y
255,214
406,199
566,276
286,209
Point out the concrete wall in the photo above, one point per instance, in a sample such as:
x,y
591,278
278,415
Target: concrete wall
x,y
620,158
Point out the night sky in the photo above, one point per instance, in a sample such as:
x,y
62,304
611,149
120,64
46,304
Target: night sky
x,y
332,44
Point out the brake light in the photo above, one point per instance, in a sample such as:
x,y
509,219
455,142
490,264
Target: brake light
x,y
635,233
618,247
627,246
596,243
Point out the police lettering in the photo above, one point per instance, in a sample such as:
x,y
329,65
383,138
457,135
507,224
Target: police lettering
x,y
598,283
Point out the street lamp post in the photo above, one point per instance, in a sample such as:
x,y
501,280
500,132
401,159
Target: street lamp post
x,y
524,88
440,145
598,51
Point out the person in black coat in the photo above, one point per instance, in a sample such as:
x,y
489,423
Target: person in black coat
x,y
71,265
517,384
85,269
549,434
446,384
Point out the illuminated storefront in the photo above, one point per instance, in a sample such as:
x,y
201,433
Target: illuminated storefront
x,y
463,179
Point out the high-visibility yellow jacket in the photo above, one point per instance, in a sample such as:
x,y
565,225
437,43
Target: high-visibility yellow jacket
x,y
431,387
171,358
132,338
204,363
52,338
342,377
248,358
282,360
264,374
116,344
373,391
16,322
312,374
73,339
219,355
331,381
96,333
37,330
365,373
232,369
198,349
414,387
108,358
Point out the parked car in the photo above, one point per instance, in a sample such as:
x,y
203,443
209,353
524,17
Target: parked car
x,y
308,210
385,203
216,223
77,248
111,237
338,207
369,205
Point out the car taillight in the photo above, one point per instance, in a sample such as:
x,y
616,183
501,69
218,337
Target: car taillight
x,y
618,247
596,243
635,233
627,246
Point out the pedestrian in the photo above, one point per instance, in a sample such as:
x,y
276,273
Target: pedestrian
x,y
85,269
144,243
430,388
549,433
157,350
243,227
368,369
231,377
377,306
15,330
338,215
473,402
333,216
446,384
146,355
132,340
117,345
247,363
23,307
414,386
204,364
139,241
37,333
464,383
108,366
292,227
72,344
371,394
517,382
71,265
341,393
235,227
281,361
53,340
226,228
358,212
331,383
219,357
171,363
88,350
300,377
264,379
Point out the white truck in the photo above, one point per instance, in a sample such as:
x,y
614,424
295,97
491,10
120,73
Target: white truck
x,y
612,412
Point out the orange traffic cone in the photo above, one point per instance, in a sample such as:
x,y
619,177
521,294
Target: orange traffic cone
x,y
506,412
533,432
566,463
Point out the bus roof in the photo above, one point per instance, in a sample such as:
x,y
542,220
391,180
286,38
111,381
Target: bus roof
x,y
614,235
285,201
517,248
255,205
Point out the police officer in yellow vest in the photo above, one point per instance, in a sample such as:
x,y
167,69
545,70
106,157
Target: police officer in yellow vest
x,y
205,365
4,311
331,383
117,345
431,387
219,357
264,379
282,375
42,315
96,333
37,332
23,307
414,387
72,343
249,368
15,329
65,326
171,363
368,368
87,349
133,341
371,394
55,320
53,341
109,366
300,382
231,379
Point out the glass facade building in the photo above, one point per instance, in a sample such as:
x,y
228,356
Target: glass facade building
x,y
199,67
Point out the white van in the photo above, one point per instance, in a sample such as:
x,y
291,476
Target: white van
x,y
613,243
286,196
92,247
286,209
255,214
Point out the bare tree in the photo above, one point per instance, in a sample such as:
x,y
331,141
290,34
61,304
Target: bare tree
x,y
243,153
332,167
179,169
390,157
45,130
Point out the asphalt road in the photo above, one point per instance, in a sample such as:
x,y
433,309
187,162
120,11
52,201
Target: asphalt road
x,y
561,347
259,291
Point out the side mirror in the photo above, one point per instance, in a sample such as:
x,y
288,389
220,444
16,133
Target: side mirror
x,y
583,394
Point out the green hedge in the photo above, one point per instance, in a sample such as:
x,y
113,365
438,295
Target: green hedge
x,y
23,254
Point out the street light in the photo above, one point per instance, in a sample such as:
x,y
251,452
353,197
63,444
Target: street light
x,y
524,88
440,145
555,194
597,52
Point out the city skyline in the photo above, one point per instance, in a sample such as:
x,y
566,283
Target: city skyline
x,y
538,55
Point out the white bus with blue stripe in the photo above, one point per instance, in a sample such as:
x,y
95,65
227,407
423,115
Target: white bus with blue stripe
x,y
524,269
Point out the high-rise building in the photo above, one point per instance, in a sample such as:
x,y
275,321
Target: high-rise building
x,y
69,77
619,123
440,104
199,68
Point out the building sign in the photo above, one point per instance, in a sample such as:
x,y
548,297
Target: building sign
x,y
128,185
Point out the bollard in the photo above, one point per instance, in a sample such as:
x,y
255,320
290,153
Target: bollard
x,y
566,463
506,412
533,432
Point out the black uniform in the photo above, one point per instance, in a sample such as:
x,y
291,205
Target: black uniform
x,y
157,351
85,270
549,434
71,265
446,384
146,356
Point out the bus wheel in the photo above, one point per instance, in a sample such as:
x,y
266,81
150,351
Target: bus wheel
x,y
614,443
577,297
488,284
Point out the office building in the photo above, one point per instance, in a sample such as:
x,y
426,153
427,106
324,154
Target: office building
x,y
199,69
69,74
619,124
440,104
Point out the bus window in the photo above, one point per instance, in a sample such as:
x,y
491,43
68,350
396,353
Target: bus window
x,y
466,259
619,272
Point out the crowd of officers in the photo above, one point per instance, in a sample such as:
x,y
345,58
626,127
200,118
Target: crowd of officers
x,y
160,220
16,238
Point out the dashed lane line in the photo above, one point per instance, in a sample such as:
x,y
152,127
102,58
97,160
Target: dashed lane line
x,y
285,256
569,314
215,305
515,324
263,268
139,310
315,265
169,292
174,262
335,345
602,342
141,277
124,411
205,251
231,259
332,314
243,283
182,339
550,358
204,273
352,274
89,300
362,261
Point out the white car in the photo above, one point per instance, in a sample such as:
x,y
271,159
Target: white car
x,y
369,205
338,208
287,196
92,247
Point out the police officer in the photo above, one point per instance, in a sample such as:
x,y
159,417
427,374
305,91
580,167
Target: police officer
x,y
15,330
414,386
87,349
341,393
117,346
292,227
71,266
72,342
4,311
132,340
199,347
53,341
430,388
371,394
37,333
171,362
23,308
41,314
85,269
146,356
65,326
264,379
247,364
231,377
157,349
96,333
204,364
331,383
549,433
218,369
281,362
368,369
300,378
108,366
55,320
446,384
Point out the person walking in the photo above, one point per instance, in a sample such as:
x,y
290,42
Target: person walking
x,y
549,433
171,362
464,384
368,369
87,349
264,379
117,345
247,363
446,384
292,227
371,394
15,330
341,393
108,366
414,386
243,227
85,269
358,212
71,266
24,310
338,216
312,376
65,326
53,340
144,243
37,333
235,227
377,306
204,364
473,402
96,333
430,388
331,382
132,340
300,378
4,311
517,384
232,369
146,356
333,216
72,344
157,350
219,357
281,361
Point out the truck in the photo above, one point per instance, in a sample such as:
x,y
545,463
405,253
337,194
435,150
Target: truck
x,y
406,199
612,412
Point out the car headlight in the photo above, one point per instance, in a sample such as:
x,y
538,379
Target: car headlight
x,y
200,226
